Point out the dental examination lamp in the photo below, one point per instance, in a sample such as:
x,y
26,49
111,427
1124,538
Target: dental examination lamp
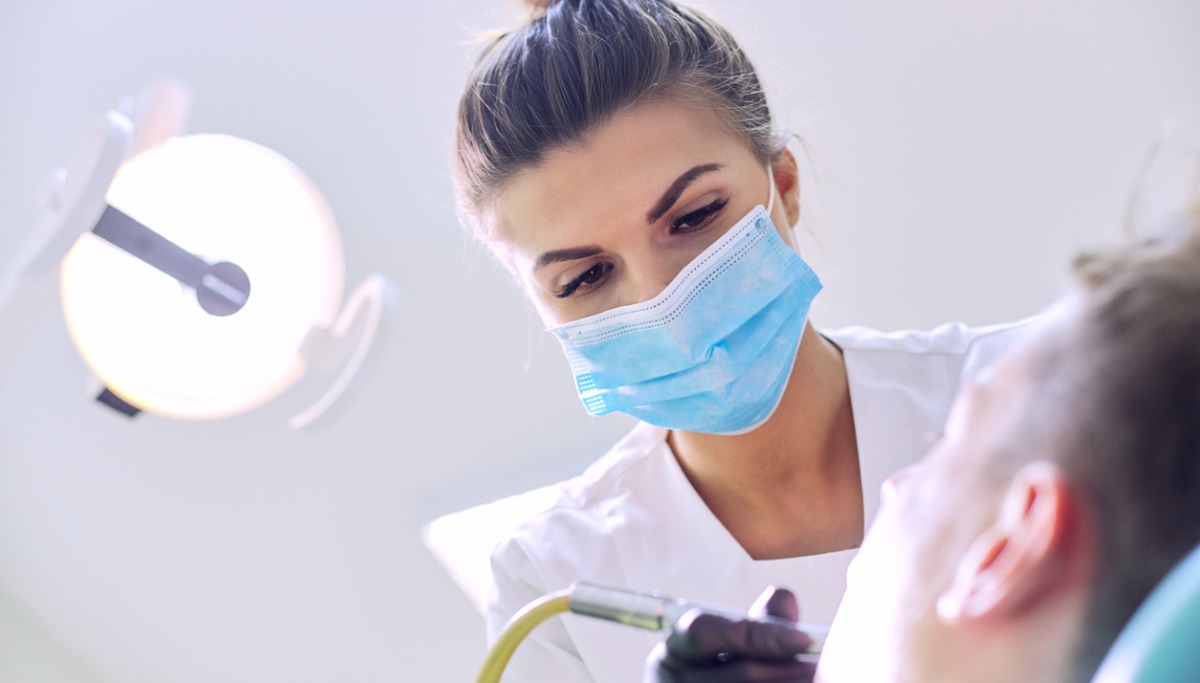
x,y
200,276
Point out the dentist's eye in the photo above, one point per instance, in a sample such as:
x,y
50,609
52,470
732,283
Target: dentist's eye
x,y
695,220
587,279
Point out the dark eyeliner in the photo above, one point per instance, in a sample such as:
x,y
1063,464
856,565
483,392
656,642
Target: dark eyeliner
x,y
698,215
570,288
575,284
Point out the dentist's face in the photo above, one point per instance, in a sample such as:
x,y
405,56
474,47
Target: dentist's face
x,y
887,629
611,221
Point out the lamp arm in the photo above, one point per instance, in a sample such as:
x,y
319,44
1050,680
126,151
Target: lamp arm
x,y
72,200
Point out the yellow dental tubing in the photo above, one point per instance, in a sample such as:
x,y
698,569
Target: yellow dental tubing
x,y
646,610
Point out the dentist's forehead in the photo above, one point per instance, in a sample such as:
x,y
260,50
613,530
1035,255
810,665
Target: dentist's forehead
x,y
622,166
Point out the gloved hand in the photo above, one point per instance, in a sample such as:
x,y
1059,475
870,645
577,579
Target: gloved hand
x,y
706,648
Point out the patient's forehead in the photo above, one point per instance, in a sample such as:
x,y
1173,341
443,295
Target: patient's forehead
x,y
993,407
989,400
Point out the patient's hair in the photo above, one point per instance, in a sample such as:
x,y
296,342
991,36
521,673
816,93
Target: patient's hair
x,y
1118,401
577,64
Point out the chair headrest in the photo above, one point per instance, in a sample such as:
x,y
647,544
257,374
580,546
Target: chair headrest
x,y
1159,643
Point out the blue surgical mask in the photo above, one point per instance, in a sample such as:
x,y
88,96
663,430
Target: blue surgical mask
x,y
714,350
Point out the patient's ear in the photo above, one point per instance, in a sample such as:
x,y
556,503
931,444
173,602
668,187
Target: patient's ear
x,y
1020,558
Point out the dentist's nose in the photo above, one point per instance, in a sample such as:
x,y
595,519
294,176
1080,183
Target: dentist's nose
x,y
649,275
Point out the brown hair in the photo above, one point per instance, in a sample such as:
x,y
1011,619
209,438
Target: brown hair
x,y
1118,402
578,63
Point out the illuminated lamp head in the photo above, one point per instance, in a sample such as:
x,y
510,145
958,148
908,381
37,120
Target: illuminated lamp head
x,y
207,206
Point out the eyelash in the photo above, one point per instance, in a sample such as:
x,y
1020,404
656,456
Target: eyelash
x,y
701,214
597,271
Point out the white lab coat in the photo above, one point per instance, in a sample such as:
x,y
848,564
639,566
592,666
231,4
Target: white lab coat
x,y
633,519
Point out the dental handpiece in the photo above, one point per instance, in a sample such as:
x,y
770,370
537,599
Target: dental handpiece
x,y
655,612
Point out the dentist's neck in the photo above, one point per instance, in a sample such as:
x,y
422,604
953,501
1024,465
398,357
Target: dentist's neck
x,y
792,486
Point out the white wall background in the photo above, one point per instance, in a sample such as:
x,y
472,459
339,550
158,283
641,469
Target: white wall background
x,y
965,151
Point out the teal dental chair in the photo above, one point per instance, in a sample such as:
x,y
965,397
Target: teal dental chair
x,y
1161,643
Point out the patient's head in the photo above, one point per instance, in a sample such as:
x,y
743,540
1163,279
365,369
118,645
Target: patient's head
x,y
1065,486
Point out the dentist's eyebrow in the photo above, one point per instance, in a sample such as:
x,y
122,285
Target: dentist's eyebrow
x,y
661,207
560,255
681,183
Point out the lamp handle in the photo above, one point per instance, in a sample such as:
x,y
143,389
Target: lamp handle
x,y
366,303
71,200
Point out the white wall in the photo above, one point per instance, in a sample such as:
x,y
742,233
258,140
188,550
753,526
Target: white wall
x,y
29,654
965,149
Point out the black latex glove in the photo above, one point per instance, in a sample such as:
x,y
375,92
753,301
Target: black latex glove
x,y
705,648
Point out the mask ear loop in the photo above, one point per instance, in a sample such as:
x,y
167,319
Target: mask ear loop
x,y
771,203
770,189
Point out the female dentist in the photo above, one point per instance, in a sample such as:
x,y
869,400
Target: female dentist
x,y
619,158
